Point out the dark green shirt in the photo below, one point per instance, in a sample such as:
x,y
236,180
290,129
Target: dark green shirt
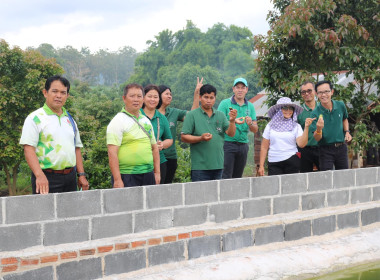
x,y
173,115
306,113
206,155
332,131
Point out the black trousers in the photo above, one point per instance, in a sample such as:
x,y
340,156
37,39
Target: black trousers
x,y
133,180
235,159
163,169
288,166
171,167
309,158
331,156
58,183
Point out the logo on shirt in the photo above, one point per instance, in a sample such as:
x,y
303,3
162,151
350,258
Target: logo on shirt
x,y
219,129
69,122
171,124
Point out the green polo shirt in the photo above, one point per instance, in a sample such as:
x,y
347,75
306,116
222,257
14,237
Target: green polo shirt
x,y
164,129
306,113
247,109
206,155
332,131
173,115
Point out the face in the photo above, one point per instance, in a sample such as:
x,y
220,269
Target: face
x,y
56,96
308,92
166,97
151,99
287,111
324,94
207,100
240,90
133,100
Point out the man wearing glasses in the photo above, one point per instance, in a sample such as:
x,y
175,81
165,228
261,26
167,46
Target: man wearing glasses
x,y
331,130
310,153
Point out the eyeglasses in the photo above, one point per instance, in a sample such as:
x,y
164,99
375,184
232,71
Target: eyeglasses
x,y
308,91
287,108
324,92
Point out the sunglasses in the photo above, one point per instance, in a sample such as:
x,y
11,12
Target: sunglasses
x,y
308,91
287,108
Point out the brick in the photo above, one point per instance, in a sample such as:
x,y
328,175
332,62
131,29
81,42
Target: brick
x,y
190,215
320,181
122,246
9,268
370,216
163,195
69,231
237,240
233,189
297,230
48,259
197,233
105,249
366,176
150,220
348,220
225,212
269,234
171,238
201,192
87,252
265,186
293,183
21,209
360,195
109,226
84,269
313,201
36,274
256,208
25,262
124,262
285,204
68,255
204,246
183,236
324,225
19,237
123,200
9,261
376,193
154,241
337,198
166,253
140,243
343,178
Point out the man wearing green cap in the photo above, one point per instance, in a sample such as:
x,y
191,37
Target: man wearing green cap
x,y
236,147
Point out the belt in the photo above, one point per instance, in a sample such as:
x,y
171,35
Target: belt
x,y
310,147
338,144
63,171
237,143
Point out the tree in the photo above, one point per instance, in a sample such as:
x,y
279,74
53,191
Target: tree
x,y
22,77
323,37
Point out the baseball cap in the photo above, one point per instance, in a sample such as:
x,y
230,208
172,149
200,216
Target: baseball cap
x,y
241,80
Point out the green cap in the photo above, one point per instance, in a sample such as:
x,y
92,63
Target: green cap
x,y
241,80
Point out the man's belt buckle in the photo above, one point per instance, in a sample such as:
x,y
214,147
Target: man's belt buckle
x,y
63,171
338,144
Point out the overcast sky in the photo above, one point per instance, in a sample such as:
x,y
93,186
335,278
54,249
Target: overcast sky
x,y
111,24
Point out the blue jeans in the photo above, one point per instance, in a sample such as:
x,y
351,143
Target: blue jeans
x,y
206,175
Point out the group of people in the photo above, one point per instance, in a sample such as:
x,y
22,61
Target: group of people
x,y
141,137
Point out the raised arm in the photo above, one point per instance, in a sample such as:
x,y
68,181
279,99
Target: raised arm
x,y
196,94
303,139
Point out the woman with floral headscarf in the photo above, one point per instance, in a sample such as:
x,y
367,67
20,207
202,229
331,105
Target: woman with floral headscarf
x,y
281,136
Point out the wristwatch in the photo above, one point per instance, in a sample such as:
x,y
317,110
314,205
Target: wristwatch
x,y
81,174
346,131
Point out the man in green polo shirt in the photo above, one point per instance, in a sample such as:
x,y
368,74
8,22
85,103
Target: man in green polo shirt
x,y
331,130
204,129
52,143
236,148
309,153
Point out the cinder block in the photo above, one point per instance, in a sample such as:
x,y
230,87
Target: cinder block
x,y
320,181
270,234
233,189
201,192
337,198
153,220
1,210
76,204
225,211
256,208
370,216
285,204
123,200
204,246
313,201
163,195
297,230
265,186
35,274
376,194
343,178
324,225
360,195
84,269
348,220
191,215
293,183
65,232
124,262
108,226
237,240
166,253
19,237
366,176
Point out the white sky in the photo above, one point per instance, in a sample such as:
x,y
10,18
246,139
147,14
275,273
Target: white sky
x,y
112,24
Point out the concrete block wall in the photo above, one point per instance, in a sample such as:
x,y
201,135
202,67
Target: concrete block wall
x,y
59,219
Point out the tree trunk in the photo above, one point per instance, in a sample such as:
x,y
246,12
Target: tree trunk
x,y
11,178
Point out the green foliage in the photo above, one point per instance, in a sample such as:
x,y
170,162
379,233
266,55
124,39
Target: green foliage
x,y
183,173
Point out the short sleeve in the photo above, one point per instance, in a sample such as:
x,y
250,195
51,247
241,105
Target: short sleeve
x,y
181,115
226,122
78,143
266,133
299,130
188,124
114,132
223,107
30,133
253,112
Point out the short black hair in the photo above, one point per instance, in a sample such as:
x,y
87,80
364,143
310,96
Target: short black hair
x,y
150,87
63,80
162,88
323,82
133,85
207,88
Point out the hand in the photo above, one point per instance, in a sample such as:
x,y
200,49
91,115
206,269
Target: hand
x,y
233,115
320,123
160,145
348,137
309,121
118,184
42,184
157,177
199,84
206,136
240,120
261,171
83,183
